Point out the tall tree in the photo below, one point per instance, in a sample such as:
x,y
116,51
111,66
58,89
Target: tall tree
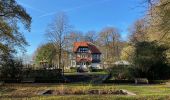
x,y
46,52
73,36
57,33
150,60
127,53
109,39
92,36
159,20
138,31
10,14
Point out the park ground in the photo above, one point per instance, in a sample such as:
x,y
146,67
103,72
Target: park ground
x,y
31,91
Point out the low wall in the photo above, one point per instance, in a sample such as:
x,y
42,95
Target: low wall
x,y
39,76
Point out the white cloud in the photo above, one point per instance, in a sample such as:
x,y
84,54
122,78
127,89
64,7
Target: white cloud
x,y
75,8
30,7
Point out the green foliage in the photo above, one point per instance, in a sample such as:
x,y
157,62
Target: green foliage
x,y
11,68
150,60
73,69
96,70
45,76
120,72
46,52
30,91
159,20
10,14
10,9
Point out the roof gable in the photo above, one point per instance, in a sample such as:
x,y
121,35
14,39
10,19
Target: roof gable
x,y
91,46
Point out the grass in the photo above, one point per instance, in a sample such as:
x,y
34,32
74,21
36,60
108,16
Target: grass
x,y
88,73
29,91
101,97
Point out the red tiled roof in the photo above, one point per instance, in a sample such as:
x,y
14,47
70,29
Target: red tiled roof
x,y
91,46
83,60
78,44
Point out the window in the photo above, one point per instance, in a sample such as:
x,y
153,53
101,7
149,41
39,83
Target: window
x,y
83,56
83,49
96,56
83,63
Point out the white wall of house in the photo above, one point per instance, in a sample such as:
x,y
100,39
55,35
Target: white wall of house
x,y
78,66
96,65
73,63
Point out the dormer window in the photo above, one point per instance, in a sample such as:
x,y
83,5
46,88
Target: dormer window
x,y
83,49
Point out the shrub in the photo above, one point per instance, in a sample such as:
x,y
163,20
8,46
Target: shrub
x,y
81,69
150,60
44,75
11,68
92,69
119,72
73,69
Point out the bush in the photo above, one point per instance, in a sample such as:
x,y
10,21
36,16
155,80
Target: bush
x,y
119,72
150,61
157,81
95,69
119,81
44,75
11,69
73,69
81,69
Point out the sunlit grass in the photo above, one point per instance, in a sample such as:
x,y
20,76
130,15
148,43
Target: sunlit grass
x,y
30,91
94,97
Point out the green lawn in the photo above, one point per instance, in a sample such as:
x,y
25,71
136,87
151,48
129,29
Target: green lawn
x,y
102,97
89,73
29,91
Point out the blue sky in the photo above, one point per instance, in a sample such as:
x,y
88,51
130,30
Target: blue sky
x,y
84,15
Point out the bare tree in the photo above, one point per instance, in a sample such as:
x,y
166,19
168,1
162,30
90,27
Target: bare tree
x,y
57,32
75,36
92,36
109,39
159,17
138,31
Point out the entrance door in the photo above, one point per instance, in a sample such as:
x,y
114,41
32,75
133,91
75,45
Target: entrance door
x,y
83,65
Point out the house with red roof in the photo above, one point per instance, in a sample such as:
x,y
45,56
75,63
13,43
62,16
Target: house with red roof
x,y
86,54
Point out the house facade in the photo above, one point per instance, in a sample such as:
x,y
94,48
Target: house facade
x,y
86,54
